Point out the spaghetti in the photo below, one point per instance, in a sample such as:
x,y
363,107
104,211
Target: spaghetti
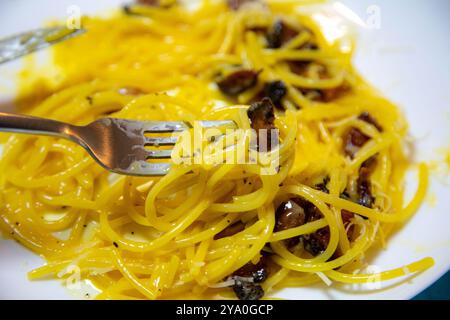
x,y
204,231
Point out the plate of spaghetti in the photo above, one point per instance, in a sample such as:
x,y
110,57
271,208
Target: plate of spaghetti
x,y
351,206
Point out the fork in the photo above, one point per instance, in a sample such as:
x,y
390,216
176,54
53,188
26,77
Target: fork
x,y
116,144
24,43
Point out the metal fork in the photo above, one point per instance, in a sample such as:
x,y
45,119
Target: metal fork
x,y
116,144
21,44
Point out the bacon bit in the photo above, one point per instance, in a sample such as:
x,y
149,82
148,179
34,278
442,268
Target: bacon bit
x,y
366,117
280,34
289,215
261,115
346,220
297,212
130,91
247,291
237,4
275,90
355,139
317,242
258,29
299,67
370,163
238,81
312,212
230,230
365,197
324,95
328,95
258,272
346,217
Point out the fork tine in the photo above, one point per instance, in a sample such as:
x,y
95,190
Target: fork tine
x,y
21,44
218,123
165,141
159,154
164,126
142,168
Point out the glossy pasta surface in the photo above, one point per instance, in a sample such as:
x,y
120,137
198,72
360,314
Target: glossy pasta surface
x,y
158,238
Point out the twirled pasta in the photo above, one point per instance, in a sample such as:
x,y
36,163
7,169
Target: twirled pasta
x,y
153,238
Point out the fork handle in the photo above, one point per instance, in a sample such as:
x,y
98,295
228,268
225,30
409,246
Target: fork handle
x,y
11,122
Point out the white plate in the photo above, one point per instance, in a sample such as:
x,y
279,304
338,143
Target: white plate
x,y
407,58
